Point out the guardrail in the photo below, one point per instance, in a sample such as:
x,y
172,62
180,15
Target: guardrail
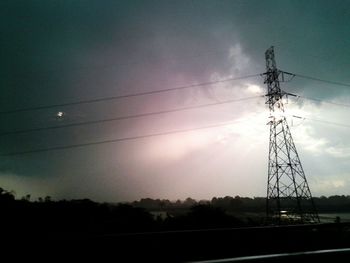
x,y
336,255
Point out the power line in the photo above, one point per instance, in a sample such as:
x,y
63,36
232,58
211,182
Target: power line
x,y
126,117
319,100
323,80
71,146
322,121
126,96
148,135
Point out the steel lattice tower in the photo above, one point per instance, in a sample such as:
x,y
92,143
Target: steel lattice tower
x,y
289,198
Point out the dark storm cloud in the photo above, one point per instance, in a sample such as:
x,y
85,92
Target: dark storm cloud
x,y
63,51
46,44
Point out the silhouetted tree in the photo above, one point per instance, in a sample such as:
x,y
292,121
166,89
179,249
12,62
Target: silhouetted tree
x,y
189,202
6,196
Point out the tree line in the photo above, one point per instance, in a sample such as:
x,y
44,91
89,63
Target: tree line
x,y
49,217
334,203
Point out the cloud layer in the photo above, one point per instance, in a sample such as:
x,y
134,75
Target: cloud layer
x,y
55,52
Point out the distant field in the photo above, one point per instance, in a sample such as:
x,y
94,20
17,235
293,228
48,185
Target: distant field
x,y
331,217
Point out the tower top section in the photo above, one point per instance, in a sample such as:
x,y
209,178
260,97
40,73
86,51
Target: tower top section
x,y
270,60
274,92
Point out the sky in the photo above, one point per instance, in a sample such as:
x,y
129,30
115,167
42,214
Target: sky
x,y
55,52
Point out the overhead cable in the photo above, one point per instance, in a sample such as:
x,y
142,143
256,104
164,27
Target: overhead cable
x,y
79,145
125,117
110,98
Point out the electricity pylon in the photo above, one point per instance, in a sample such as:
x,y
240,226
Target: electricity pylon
x,y
289,198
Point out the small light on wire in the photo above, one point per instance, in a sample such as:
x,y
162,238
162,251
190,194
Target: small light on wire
x,y
60,115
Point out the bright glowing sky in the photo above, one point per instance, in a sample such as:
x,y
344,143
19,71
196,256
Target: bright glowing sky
x,y
63,51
